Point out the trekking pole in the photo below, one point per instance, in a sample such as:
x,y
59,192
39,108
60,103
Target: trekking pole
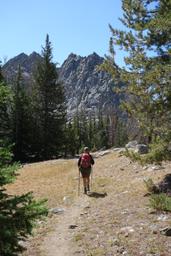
x,y
78,181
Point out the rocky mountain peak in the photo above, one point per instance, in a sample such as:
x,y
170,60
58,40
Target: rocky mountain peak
x,y
27,63
70,64
95,58
34,56
86,87
73,56
19,59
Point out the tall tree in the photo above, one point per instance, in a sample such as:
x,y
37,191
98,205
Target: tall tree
x,y
5,101
1,76
17,213
146,40
20,118
50,108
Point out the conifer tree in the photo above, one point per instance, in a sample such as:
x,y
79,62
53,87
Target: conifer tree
x,y
71,142
76,128
5,101
1,76
50,108
17,213
90,131
21,121
146,76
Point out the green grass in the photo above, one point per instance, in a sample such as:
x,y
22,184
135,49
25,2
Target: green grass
x,y
160,202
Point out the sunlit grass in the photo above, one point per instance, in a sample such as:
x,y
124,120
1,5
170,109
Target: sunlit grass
x,y
52,180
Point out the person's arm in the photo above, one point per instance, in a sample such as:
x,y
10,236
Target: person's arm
x,y
92,160
79,161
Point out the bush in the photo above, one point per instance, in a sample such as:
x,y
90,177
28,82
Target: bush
x,y
158,152
134,156
160,202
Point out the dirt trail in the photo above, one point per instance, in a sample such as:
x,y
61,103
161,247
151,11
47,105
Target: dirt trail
x,y
60,241
114,220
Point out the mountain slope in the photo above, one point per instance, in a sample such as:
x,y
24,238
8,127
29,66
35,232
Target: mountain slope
x,y
86,87
115,219
27,63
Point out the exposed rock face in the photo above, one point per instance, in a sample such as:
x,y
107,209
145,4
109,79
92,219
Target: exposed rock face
x,y
27,63
86,87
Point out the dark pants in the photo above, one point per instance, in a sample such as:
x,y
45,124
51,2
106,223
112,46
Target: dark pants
x,y
85,172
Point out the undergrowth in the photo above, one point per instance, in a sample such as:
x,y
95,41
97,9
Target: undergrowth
x,y
160,202
157,201
158,152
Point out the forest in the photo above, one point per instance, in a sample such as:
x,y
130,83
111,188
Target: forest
x,y
34,125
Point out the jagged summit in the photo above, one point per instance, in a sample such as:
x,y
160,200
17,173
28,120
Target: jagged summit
x,y
73,56
27,63
86,87
19,59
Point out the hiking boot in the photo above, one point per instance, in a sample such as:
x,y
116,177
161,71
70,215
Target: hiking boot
x,y
85,190
88,188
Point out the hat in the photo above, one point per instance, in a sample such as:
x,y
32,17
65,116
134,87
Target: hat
x,y
86,149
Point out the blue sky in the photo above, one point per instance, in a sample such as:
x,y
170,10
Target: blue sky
x,y
78,26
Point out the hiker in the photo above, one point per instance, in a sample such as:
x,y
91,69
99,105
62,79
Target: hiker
x,y
84,163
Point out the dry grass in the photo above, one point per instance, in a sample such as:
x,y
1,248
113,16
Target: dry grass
x,y
124,205
51,180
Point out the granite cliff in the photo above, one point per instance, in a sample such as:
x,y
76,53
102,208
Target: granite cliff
x,y
86,87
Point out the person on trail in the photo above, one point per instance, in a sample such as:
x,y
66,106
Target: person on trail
x,y
85,163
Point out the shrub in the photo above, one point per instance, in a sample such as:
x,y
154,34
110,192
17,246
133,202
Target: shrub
x,y
157,153
18,214
134,156
160,202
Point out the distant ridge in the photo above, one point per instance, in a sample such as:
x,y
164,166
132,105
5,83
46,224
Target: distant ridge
x,y
86,87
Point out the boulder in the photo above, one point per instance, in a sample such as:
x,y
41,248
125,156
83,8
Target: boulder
x,y
165,185
166,231
131,144
141,149
137,147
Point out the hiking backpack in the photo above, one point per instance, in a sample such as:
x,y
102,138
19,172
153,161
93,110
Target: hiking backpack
x,y
85,160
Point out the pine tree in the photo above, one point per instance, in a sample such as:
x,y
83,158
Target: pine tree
x,y
1,76
20,119
71,142
5,101
17,213
121,136
76,128
146,76
50,108
90,131
5,108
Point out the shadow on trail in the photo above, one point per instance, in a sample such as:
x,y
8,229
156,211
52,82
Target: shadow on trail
x,y
97,195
